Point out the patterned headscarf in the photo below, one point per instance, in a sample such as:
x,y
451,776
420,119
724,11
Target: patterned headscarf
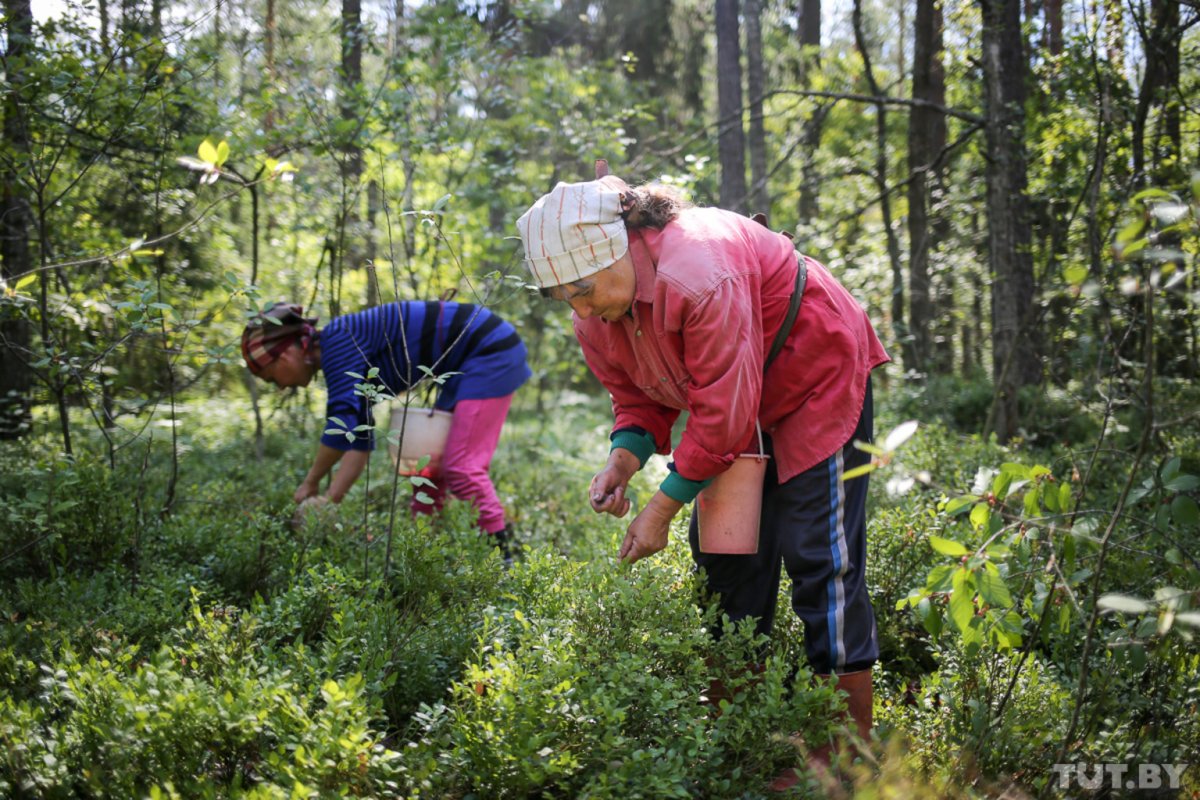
x,y
575,231
272,331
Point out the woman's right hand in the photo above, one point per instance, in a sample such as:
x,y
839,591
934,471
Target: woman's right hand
x,y
305,490
607,491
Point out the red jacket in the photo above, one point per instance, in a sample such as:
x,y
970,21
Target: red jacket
x,y
712,291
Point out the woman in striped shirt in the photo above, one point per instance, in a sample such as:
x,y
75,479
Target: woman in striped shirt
x,y
480,357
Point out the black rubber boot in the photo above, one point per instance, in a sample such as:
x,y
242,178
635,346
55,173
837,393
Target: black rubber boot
x,y
506,541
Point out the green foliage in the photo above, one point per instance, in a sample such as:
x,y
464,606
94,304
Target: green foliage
x,y
594,692
164,632
60,516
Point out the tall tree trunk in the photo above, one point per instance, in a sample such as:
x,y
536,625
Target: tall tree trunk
x,y
1168,155
1014,361
899,328
1160,87
926,138
731,137
1053,12
810,59
692,76
270,33
374,204
1114,34
102,11
16,222
218,77
809,26
756,86
350,251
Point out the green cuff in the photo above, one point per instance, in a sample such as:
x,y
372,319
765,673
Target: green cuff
x,y
677,487
640,444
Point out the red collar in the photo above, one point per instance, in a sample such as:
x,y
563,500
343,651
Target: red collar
x,y
645,260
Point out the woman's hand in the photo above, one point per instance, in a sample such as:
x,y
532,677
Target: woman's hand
x,y
650,530
311,508
305,490
607,491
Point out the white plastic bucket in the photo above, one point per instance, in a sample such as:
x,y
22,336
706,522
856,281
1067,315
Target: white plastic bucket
x,y
424,431
729,508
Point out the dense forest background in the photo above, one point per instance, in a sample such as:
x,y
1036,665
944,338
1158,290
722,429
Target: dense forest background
x,y
1010,188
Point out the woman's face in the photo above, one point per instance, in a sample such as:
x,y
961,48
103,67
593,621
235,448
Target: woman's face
x,y
294,367
608,294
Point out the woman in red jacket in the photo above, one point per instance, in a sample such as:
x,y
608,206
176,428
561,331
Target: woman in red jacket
x,y
676,308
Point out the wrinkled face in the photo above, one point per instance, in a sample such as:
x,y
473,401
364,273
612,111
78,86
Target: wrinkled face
x,y
293,368
608,294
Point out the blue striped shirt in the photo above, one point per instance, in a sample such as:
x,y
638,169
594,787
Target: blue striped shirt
x,y
399,339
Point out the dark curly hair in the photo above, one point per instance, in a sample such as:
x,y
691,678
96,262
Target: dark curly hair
x,y
652,205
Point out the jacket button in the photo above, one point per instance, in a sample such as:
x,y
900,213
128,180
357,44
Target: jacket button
x,y
663,379
638,332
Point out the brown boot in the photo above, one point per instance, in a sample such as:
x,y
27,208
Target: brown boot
x,y
859,708
712,697
718,691
860,700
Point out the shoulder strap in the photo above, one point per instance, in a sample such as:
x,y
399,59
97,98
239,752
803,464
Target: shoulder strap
x,y
792,312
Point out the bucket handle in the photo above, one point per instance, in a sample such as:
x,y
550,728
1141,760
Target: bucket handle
x,y
762,450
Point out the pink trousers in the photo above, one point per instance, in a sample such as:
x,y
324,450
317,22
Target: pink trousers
x,y
474,434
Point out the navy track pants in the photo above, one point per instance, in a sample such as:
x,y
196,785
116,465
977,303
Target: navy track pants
x,y
815,527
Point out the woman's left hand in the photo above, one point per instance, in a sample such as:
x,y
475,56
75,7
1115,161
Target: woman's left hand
x,y
306,490
650,530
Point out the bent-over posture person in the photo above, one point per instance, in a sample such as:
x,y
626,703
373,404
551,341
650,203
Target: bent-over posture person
x,y
483,351
676,309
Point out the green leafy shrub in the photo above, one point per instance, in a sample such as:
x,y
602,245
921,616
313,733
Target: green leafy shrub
x,y
57,516
590,685
200,713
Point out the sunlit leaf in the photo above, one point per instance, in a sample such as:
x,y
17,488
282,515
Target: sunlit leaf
x,y
222,152
857,471
993,589
1131,231
1125,252
998,551
207,152
956,505
868,447
900,434
947,547
1016,470
939,578
962,605
1123,603
931,617
1152,194
1051,497
1075,275
1064,496
980,514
